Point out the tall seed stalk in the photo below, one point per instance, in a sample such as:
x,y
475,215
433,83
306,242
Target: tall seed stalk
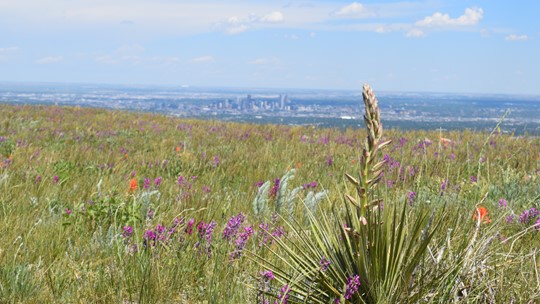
x,y
370,173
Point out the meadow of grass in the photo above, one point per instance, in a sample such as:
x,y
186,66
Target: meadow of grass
x,y
101,206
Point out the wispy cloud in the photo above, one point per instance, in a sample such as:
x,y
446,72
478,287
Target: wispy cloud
x,y
354,10
7,52
266,61
415,33
236,25
273,17
515,37
203,59
50,59
471,17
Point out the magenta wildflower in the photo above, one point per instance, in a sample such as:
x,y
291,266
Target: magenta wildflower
x,y
68,211
510,218
324,263
352,286
329,161
528,216
38,179
128,232
267,275
146,184
283,295
56,179
157,181
275,188
411,196
259,183
240,242
189,227
444,185
232,227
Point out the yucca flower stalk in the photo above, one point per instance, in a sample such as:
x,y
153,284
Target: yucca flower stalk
x,y
370,255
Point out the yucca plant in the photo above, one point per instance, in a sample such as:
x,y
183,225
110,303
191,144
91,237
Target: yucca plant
x,y
360,252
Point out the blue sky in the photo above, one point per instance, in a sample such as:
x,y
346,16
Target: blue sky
x,y
437,46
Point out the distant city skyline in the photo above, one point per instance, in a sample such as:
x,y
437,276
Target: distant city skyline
x,y
460,46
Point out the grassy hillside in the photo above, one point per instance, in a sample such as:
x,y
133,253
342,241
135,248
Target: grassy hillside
x,y
104,206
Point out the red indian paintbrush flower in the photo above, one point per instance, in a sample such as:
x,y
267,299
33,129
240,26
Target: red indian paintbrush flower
x,y
133,185
482,214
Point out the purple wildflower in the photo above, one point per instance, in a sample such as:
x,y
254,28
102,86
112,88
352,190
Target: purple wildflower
x,y
278,232
329,161
502,203
146,184
38,179
473,179
56,179
128,232
189,227
267,275
324,263
283,295
259,183
275,188
444,184
216,160
232,227
510,219
411,196
352,286
157,181
240,242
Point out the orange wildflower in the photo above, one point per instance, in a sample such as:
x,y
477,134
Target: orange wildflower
x,y
298,165
133,185
178,148
482,213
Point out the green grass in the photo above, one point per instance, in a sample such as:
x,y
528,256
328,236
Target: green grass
x,y
48,256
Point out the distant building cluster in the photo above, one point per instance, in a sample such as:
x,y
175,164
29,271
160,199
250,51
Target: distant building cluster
x,y
251,104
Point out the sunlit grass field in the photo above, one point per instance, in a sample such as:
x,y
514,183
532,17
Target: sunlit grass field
x,y
100,206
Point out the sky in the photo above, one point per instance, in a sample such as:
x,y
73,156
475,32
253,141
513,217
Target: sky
x,y
422,46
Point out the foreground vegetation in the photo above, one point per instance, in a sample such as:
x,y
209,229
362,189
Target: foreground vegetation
x,y
113,207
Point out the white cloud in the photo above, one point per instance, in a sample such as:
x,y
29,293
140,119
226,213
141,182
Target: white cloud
x,y
266,61
515,37
237,29
292,37
471,17
273,17
10,49
236,25
105,59
354,10
6,52
312,34
203,59
130,49
415,33
49,59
